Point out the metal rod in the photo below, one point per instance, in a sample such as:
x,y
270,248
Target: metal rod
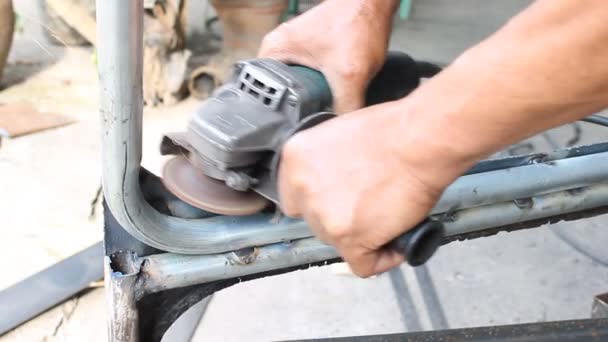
x,y
165,271
431,298
596,119
523,182
121,303
405,302
496,215
40,292
562,235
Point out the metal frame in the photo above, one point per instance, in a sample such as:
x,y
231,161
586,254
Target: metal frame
x,y
155,258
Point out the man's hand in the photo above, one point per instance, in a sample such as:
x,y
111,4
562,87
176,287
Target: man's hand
x,y
361,180
358,185
344,39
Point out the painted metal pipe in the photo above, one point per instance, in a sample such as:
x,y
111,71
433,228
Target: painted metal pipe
x,y
524,181
120,39
553,204
165,271
38,293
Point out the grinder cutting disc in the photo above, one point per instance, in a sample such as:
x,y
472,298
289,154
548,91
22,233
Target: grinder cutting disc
x,y
195,188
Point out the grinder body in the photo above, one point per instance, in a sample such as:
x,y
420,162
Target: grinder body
x,y
240,129
236,135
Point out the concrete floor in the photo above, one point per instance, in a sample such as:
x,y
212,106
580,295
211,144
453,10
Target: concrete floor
x,y
48,180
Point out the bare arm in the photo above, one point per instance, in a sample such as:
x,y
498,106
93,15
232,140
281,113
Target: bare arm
x,y
546,67
363,178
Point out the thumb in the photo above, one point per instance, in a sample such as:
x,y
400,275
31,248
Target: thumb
x,y
367,263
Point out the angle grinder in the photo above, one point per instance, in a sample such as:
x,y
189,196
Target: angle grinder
x,y
227,160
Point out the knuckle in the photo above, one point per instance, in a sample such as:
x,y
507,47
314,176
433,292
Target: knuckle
x,y
299,184
293,188
360,269
354,70
272,39
293,148
337,228
276,40
295,171
362,273
290,210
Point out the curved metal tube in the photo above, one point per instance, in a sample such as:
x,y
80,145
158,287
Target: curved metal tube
x,y
120,72
167,270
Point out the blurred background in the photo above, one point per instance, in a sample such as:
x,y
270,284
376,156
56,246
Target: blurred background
x,y
50,180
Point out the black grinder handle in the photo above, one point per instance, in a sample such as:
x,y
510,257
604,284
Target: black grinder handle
x,y
399,76
420,243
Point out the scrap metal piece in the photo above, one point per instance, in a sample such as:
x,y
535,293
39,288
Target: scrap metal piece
x,y
40,292
600,306
77,15
193,187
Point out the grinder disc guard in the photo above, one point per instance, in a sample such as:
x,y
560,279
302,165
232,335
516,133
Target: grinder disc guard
x,y
195,188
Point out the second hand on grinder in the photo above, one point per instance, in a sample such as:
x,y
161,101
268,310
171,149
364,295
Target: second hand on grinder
x,y
421,242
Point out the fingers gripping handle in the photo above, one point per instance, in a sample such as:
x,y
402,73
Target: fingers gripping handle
x,y
399,75
419,244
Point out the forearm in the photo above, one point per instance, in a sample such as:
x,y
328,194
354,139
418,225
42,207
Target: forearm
x,y
384,7
380,10
379,14
544,68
